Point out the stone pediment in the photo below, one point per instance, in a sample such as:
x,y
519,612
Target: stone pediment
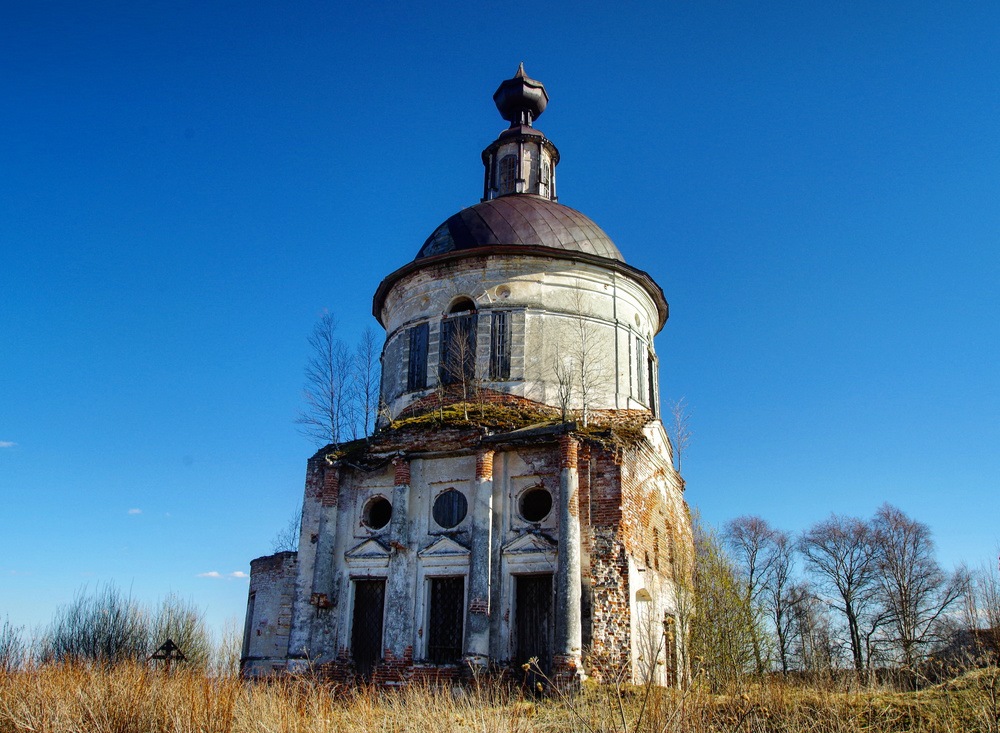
x,y
371,550
530,544
444,547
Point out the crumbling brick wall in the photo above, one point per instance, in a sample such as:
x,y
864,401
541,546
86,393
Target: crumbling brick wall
x,y
269,613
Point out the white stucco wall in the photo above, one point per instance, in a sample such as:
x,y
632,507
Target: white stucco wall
x,y
555,305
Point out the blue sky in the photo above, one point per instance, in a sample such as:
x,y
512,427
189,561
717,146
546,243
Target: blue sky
x,y
186,186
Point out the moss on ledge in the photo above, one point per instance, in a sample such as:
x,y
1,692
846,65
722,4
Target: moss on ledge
x,y
619,428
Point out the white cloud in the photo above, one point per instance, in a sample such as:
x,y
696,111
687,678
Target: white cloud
x,y
7,444
238,574
135,511
210,574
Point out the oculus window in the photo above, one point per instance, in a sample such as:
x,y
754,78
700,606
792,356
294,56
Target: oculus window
x,y
450,508
535,504
377,513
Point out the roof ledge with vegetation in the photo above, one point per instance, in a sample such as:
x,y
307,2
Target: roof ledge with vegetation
x,y
463,425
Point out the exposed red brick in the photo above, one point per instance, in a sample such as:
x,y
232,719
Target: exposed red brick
x,y
331,486
484,465
402,472
479,605
568,451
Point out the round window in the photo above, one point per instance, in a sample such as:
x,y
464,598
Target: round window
x,y
377,513
450,508
535,504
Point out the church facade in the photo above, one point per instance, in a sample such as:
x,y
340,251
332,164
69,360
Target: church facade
x,y
518,503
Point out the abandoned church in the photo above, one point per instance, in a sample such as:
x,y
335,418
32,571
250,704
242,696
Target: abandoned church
x,y
518,499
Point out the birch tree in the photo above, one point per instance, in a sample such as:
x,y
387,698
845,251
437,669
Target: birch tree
x,y
842,556
679,430
366,381
915,591
326,415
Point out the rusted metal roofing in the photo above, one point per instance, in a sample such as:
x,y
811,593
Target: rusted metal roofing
x,y
520,219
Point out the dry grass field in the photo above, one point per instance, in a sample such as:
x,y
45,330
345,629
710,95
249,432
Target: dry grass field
x,y
126,698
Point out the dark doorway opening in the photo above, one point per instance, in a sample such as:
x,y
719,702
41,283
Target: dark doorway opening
x,y
445,620
366,630
533,620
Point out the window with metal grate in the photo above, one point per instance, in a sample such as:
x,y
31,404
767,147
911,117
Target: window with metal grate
x,y
500,346
446,620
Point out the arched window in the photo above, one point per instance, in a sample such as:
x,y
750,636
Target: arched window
x,y
462,305
508,174
457,356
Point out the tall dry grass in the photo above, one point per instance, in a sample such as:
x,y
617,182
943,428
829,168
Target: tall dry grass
x,y
128,698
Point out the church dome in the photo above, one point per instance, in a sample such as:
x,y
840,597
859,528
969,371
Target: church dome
x,y
523,219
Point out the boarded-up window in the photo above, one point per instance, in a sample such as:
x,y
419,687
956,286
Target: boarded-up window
x,y
446,620
416,373
458,349
366,629
500,346
450,508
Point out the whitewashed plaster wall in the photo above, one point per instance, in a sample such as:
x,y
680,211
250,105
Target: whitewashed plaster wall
x,y
551,300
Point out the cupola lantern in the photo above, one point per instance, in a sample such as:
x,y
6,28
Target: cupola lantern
x,y
521,160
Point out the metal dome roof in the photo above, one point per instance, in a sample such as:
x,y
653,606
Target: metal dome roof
x,y
520,219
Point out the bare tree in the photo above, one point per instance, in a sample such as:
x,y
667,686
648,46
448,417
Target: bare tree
x,y
565,376
751,539
287,538
810,638
766,555
982,611
590,360
458,366
915,591
779,597
366,380
842,555
679,430
326,417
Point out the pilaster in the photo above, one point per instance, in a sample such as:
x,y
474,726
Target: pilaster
x,y
398,629
477,625
568,632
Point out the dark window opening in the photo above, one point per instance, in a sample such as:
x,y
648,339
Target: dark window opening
x,y
450,508
535,504
248,627
651,365
366,628
533,622
445,620
640,372
377,513
458,349
508,174
416,371
500,346
462,305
